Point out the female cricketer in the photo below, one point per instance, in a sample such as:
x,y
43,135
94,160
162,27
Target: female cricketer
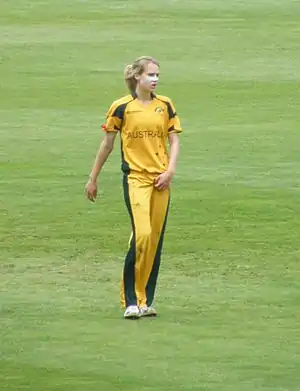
x,y
147,123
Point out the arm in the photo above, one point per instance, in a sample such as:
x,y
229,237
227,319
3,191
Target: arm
x,y
104,151
174,152
163,180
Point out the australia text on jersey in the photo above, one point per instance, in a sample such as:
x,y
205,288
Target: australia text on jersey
x,y
146,134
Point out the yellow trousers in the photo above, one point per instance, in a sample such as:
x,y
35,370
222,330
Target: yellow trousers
x,y
148,210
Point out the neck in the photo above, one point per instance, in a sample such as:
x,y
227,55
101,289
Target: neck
x,y
143,95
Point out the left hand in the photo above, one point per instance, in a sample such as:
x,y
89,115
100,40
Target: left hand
x,y
91,190
163,180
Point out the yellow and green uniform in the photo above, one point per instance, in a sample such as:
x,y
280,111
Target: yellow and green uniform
x,y
144,131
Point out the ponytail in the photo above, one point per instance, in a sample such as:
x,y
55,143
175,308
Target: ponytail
x,y
130,80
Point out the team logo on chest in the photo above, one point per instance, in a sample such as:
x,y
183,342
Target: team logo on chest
x,y
159,110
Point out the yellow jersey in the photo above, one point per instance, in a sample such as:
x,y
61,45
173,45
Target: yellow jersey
x,y
144,131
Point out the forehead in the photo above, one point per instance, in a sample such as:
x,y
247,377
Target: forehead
x,y
151,68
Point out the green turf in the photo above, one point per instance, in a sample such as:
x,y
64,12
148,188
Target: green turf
x,y
229,284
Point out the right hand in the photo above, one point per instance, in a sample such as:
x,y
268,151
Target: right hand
x,y
91,190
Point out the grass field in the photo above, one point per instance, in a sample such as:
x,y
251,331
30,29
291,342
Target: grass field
x,y
230,279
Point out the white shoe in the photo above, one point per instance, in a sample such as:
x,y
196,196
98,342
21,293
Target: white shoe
x,y
148,311
132,312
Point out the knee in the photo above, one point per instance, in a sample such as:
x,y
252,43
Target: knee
x,y
143,233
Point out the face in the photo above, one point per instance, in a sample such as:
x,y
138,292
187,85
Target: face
x,y
149,78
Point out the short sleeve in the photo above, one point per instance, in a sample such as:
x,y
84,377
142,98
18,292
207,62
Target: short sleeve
x,y
174,125
114,118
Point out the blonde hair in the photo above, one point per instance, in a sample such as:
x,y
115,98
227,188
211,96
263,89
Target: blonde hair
x,y
136,69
